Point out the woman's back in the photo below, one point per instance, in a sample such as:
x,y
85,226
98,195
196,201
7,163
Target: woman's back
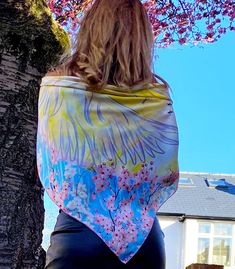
x,y
109,158
107,141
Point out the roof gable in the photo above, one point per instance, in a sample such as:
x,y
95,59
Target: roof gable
x,y
199,199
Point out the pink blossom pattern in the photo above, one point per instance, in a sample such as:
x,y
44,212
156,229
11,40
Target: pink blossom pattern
x,y
55,192
120,223
111,171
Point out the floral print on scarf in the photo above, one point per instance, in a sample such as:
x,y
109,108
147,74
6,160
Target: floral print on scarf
x,y
108,159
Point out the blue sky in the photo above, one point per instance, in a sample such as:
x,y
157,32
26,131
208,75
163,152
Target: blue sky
x,y
203,91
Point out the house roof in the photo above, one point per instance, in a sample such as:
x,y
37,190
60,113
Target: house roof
x,y
200,200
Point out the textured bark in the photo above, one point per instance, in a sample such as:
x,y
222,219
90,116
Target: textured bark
x,y
30,41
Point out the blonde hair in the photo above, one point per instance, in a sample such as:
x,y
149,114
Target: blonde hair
x,y
114,46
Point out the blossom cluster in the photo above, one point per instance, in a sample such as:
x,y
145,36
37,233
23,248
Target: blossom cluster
x,y
120,236
57,194
173,22
125,183
190,22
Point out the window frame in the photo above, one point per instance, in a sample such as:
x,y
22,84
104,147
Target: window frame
x,y
185,184
211,236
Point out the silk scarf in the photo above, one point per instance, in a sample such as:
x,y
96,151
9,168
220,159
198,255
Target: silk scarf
x,y
108,159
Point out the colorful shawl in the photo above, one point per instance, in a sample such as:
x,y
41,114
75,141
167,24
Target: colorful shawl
x,y
109,158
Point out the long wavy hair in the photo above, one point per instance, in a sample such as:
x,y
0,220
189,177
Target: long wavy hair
x,y
114,45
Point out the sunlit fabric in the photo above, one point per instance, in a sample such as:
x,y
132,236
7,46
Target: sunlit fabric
x,y
109,159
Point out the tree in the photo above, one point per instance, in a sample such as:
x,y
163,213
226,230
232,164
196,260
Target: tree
x,y
174,22
29,42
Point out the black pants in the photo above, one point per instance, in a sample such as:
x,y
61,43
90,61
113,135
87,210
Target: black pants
x,y
74,246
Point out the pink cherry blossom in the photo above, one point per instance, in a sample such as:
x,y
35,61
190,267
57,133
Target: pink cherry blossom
x,y
110,203
170,179
70,171
173,22
52,176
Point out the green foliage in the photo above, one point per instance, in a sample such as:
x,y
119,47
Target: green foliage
x,y
28,31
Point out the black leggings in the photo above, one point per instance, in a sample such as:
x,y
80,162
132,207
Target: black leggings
x,y
74,246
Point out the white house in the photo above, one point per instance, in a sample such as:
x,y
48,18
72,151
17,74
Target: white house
x,y
199,221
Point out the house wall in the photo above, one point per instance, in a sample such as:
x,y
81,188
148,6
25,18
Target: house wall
x,y
181,242
174,239
191,244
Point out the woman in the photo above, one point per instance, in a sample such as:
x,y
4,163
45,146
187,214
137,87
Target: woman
x,y
107,144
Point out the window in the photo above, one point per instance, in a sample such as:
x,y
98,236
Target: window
x,y
185,181
221,251
203,250
223,229
215,243
221,183
204,228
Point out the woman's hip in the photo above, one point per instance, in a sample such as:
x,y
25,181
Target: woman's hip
x,y
73,244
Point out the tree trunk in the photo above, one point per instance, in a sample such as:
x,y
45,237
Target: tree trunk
x,y
30,41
